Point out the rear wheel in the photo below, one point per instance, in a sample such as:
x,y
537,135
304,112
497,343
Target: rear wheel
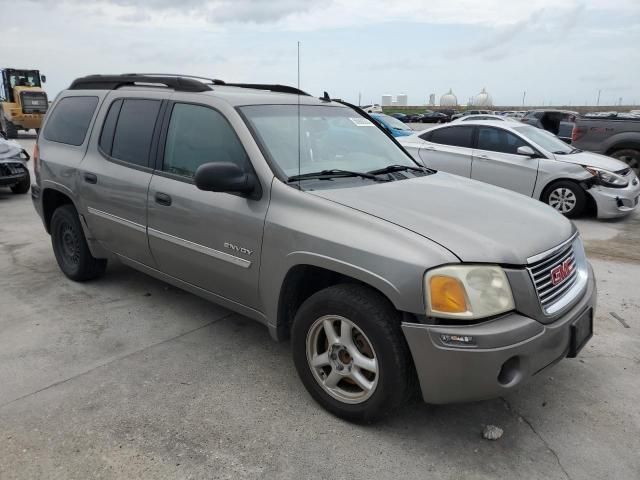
x,y
630,156
10,130
22,186
350,352
70,246
566,197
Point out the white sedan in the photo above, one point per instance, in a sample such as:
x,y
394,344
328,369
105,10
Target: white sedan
x,y
530,161
498,118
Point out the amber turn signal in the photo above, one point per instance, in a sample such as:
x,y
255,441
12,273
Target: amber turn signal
x,y
447,294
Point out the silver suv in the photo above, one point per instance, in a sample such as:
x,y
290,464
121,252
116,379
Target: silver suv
x,y
304,215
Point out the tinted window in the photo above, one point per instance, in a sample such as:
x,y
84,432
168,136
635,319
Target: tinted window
x,y
200,135
132,138
498,140
455,136
70,120
109,127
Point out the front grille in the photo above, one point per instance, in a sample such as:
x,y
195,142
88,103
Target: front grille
x,y
541,273
34,102
9,169
624,172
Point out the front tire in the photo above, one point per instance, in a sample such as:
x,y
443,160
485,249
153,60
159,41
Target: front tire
x,y
630,156
70,246
566,197
350,352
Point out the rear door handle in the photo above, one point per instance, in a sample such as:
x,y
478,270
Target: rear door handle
x,y
163,199
91,178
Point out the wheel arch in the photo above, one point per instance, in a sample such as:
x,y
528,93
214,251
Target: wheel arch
x,y
52,198
304,279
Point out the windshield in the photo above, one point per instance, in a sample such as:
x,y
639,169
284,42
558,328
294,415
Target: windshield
x,y
24,78
545,139
392,122
330,138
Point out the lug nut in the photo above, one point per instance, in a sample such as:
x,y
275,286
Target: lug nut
x,y
339,367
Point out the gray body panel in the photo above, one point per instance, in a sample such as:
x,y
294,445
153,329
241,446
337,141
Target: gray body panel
x,y
603,135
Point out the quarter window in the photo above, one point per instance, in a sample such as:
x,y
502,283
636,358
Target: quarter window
x,y
134,129
70,120
454,136
499,140
200,135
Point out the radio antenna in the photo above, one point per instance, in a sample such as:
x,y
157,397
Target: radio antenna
x,y
299,147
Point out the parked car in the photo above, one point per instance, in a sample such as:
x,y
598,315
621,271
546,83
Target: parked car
x,y
497,118
435,117
393,125
615,136
558,122
403,117
375,108
517,114
306,216
470,112
14,172
530,161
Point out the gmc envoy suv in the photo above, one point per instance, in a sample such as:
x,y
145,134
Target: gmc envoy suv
x,y
303,214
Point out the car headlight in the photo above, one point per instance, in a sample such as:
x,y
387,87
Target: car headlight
x,y
607,178
467,292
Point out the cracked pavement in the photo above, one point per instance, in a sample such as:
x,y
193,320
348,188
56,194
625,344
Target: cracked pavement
x,y
126,377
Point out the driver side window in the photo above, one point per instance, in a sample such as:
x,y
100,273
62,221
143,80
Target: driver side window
x,y
198,135
498,140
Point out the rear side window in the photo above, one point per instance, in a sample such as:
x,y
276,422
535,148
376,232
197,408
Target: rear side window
x,y
200,135
133,131
70,120
454,136
109,127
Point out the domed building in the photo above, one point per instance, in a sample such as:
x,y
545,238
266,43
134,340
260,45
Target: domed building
x,y
448,99
483,99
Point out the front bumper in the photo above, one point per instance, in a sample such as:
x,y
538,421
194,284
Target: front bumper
x,y
460,374
616,202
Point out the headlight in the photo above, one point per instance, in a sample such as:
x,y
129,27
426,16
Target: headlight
x,y
608,179
467,292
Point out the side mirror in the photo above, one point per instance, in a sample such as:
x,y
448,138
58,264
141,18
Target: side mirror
x,y
526,151
224,177
43,78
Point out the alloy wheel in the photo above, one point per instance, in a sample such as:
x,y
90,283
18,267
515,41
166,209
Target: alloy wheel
x,y
342,359
563,200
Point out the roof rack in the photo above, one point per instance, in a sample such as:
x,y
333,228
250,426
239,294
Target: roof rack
x,y
264,86
113,82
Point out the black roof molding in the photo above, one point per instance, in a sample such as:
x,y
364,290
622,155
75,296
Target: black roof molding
x,y
113,82
264,86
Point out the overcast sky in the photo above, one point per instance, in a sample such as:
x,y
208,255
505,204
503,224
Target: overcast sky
x,y
559,52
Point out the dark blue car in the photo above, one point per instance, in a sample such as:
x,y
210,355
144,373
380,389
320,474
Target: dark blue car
x,y
392,125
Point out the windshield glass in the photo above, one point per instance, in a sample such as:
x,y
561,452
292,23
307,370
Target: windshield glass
x,y
330,138
392,122
545,139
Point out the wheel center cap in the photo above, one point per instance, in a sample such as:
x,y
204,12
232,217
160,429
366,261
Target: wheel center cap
x,y
340,358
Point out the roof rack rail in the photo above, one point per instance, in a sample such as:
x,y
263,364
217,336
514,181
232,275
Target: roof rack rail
x,y
264,86
197,77
113,82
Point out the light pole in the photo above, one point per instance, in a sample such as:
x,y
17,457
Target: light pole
x,y
524,94
598,100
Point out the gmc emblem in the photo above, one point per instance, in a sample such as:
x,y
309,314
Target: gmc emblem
x,y
560,273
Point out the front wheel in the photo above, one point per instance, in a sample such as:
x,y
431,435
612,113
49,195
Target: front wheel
x,y
630,156
350,352
566,197
22,186
70,246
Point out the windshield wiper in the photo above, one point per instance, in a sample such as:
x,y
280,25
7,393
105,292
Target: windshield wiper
x,y
560,152
395,168
333,173
575,150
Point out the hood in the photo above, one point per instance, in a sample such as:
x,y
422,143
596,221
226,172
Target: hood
x,y
476,221
593,160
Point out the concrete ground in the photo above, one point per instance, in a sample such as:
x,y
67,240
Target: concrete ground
x,y
126,377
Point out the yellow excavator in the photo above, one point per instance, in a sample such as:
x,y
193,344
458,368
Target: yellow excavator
x,y
23,102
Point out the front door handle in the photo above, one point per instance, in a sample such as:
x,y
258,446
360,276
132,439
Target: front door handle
x,y
91,178
483,156
163,199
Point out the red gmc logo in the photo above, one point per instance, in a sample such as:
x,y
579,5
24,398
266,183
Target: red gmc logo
x,y
560,273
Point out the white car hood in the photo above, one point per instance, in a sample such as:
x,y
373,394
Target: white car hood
x,y
593,160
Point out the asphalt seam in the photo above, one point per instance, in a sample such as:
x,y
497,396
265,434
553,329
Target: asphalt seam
x,y
546,444
117,359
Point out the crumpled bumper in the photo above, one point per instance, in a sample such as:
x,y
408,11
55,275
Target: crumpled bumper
x,y
509,351
616,202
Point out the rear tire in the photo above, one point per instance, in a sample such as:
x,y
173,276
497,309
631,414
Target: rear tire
x,y
630,156
70,246
566,197
10,130
23,186
366,352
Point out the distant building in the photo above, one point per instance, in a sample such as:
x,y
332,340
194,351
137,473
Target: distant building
x,y
387,100
448,99
432,99
402,100
483,99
